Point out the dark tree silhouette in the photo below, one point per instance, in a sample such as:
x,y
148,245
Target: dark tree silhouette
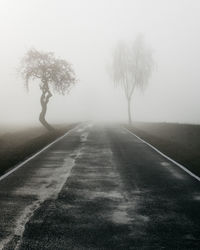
x,y
131,67
54,75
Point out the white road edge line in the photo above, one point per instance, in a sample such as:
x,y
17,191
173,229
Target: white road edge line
x,y
165,156
36,154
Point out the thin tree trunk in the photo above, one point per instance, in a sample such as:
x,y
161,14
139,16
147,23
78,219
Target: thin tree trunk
x,y
129,111
46,94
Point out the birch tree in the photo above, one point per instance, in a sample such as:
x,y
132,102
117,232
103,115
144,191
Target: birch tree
x,y
132,66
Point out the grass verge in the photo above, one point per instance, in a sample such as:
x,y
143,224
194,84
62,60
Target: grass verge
x,y
181,142
17,146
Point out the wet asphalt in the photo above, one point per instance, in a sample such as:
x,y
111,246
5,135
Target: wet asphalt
x,y
99,188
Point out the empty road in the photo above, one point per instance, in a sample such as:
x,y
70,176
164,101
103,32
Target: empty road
x,y
99,187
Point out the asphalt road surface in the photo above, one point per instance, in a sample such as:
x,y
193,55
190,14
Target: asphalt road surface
x,y
99,188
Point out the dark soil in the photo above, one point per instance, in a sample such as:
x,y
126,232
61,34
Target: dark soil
x,y
181,142
17,146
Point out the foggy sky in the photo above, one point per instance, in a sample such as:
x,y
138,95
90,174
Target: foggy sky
x,y
84,32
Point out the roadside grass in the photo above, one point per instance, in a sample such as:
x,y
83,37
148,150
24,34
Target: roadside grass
x,y
181,142
16,145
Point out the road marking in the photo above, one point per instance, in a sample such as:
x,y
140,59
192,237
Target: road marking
x,y
165,156
36,154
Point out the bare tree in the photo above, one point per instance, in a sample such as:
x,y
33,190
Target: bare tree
x,y
53,74
131,68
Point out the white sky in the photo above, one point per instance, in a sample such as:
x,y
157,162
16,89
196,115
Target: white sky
x,y
84,33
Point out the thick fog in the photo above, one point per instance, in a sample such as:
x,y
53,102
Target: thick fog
x,y
84,32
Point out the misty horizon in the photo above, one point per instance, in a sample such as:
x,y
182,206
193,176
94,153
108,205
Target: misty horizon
x,y
85,34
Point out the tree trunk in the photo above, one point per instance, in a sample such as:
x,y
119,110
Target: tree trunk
x,y
129,111
46,94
